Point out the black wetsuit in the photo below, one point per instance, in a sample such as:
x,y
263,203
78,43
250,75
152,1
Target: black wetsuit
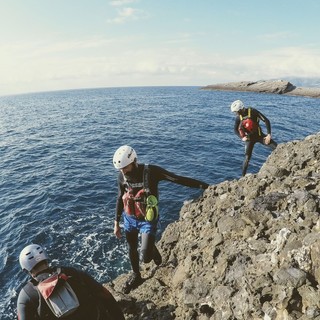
x,y
156,174
256,136
96,302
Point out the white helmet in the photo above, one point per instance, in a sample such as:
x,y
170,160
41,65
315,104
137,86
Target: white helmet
x,y
31,255
123,157
237,106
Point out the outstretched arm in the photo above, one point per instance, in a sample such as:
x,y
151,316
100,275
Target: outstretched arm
x,y
185,181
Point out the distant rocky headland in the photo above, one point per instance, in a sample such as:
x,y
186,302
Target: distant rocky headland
x,y
246,249
267,86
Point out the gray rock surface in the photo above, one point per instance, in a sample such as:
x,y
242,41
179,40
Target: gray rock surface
x,y
247,249
267,86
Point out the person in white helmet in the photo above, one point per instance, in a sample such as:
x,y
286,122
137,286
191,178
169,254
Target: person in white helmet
x,y
43,296
137,186
247,128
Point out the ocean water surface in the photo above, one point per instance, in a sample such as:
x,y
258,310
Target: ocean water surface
x,y
58,184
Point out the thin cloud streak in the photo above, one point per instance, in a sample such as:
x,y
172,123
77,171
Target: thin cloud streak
x,y
277,36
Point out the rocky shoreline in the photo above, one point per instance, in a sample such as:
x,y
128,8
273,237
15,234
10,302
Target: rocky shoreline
x,y
267,86
247,249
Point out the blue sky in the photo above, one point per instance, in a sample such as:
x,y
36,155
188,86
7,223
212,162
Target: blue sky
x,y
69,44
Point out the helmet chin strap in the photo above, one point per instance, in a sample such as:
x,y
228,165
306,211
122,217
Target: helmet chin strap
x,y
42,276
39,269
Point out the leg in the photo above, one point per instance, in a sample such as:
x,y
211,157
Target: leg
x,y
135,279
132,228
148,249
245,165
248,152
132,239
147,244
272,144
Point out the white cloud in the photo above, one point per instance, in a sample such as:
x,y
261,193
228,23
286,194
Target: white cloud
x,y
127,14
288,61
101,62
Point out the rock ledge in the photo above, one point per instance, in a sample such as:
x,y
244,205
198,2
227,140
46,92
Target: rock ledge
x,y
247,249
266,86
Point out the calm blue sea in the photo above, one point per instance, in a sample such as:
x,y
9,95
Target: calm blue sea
x,y
57,183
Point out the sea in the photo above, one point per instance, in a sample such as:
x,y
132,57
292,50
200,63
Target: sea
x,y
58,184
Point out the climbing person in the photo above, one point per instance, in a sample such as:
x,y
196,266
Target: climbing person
x,y
247,128
137,201
65,292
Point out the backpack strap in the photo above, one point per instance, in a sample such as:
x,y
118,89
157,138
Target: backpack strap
x,y
146,170
248,116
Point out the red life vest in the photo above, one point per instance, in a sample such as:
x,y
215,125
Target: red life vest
x,y
135,204
249,125
139,204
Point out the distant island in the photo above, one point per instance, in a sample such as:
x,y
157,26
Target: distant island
x,y
267,86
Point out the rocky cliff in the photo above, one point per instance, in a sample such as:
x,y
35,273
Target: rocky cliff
x,y
267,86
247,249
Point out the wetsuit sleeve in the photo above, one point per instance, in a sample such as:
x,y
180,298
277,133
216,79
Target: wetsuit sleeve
x,y
265,120
236,126
106,299
26,307
185,181
119,202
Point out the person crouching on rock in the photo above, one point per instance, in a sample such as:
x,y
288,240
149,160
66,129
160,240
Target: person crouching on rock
x,y
247,128
137,201
61,292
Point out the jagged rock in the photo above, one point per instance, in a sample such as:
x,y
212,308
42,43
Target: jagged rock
x,y
246,249
266,86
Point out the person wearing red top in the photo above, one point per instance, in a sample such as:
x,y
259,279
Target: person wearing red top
x,y
247,128
135,188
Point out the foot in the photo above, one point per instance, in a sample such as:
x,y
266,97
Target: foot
x,y
157,256
132,283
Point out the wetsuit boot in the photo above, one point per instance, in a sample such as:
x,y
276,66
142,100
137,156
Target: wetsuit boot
x,y
157,256
132,283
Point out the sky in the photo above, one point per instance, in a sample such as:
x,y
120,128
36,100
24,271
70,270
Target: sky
x,y
49,45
